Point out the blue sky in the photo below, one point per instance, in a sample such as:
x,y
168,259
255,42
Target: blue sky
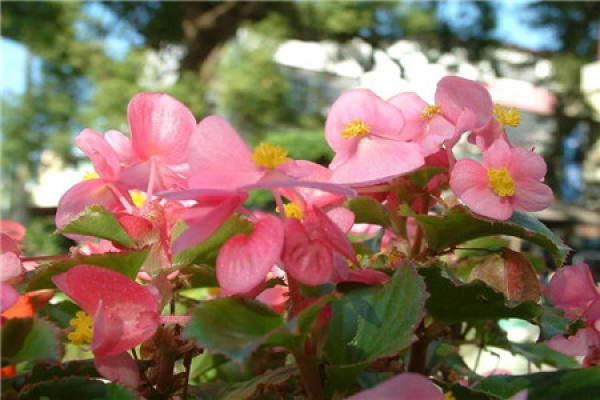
x,y
511,28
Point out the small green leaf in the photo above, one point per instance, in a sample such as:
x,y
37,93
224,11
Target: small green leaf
x,y
539,353
76,388
367,210
580,384
30,339
454,302
459,225
374,322
99,222
207,251
552,322
245,390
126,262
199,276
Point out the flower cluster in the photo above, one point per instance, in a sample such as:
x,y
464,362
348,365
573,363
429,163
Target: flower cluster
x,y
175,185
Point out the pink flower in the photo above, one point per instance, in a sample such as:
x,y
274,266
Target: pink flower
x,y
13,229
507,179
11,271
406,386
125,314
368,137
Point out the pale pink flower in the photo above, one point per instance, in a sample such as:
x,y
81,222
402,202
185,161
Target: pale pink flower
x,y
507,179
367,136
406,386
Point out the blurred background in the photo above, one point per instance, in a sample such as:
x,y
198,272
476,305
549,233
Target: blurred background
x,y
272,69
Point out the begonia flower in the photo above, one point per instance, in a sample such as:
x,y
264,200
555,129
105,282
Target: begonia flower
x,y
406,386
124,312
367,136
507,179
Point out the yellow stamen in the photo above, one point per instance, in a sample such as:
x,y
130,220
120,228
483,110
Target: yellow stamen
x,y
84,329
358,258
501,182
292,211
430,111
138,198
507,117
269,156
449,396
90,175
355,128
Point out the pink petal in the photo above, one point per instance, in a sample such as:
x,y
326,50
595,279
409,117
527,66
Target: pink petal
x,y
160,126
316,197
13,229
275,297
320,226
126,313
576,345
367,276
363,105
484,201
8,296
11,268
498,155
119,368
526,164
572,287
137,177
406,386
204,221
365,231
487,135
466,175
122,146
378,160
244,260
308,261
8,244
411,106
105,159
85,194
522,395
219,158
342,217
531,195
271,181
455,94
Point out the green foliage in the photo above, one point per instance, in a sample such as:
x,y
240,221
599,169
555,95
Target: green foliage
x,y
76,388
367,210
377,321
126,262
451,301
98,222
30,339
581,384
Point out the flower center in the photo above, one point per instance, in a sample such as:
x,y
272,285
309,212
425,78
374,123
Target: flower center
x,y
449,396
430,111
292,210
269,156
90,175
355,128
507,117
501,182
138,198
84,329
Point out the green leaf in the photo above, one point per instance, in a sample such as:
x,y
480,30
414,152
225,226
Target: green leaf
x,y
30,339
61,313
99,222
367,210
459,226
236,327
580,384
454,302
199,276
207,251
370,323
422,176
76,388
539,353
126,262
552,322
462,392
